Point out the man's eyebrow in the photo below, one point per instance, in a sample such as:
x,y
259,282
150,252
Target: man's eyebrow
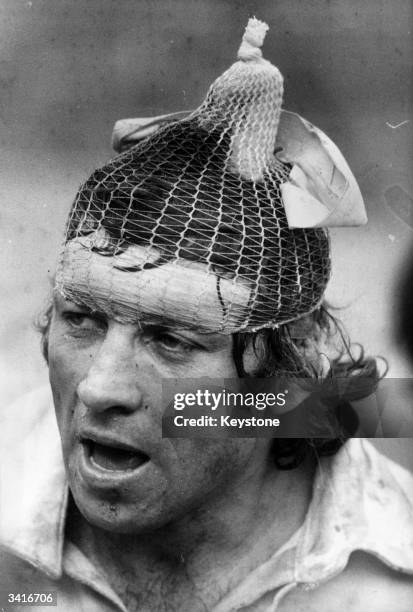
x,y
61,303
144,320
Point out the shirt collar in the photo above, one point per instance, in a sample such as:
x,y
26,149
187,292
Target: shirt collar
x,y
361,501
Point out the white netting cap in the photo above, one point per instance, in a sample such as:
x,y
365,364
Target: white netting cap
x,y
190,225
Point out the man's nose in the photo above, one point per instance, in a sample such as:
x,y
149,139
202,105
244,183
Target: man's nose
x,y
113,380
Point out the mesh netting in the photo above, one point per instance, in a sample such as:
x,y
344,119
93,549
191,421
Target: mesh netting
x,y
190,223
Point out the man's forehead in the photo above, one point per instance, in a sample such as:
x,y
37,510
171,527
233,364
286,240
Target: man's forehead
x,y
125,287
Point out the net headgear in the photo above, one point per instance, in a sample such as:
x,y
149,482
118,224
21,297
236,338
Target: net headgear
x,y
215,217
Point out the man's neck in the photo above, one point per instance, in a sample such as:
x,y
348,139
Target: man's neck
x,y
201,557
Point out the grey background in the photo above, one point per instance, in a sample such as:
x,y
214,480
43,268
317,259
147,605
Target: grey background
x,y
70,68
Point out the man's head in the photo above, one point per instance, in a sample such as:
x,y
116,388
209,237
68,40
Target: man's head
x,y
127,315
179,262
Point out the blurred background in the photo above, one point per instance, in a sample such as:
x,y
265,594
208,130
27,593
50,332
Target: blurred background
x,y
70,69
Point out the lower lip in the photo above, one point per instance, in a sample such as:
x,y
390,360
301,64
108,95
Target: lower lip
x,y
95,475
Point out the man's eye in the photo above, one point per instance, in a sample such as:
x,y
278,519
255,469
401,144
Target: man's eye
x,y
171,343
83,321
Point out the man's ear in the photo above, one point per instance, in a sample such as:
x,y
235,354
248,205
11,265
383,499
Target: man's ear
x,y
252,356
43,326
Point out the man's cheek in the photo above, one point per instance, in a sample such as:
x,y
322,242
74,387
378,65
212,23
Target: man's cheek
x,y
68,365
63,375
66,370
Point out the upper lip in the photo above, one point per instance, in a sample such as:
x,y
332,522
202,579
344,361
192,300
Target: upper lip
x,y
105,440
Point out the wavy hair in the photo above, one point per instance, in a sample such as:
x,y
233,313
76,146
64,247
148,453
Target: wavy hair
x,y
314,347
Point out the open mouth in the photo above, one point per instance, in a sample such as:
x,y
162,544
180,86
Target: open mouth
x,y
113,458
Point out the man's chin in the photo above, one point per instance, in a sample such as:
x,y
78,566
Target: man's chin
x,y
118,502
116,517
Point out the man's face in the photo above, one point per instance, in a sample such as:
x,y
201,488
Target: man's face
x,y
106,379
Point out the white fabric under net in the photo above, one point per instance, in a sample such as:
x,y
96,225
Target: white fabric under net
x,y
191,221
